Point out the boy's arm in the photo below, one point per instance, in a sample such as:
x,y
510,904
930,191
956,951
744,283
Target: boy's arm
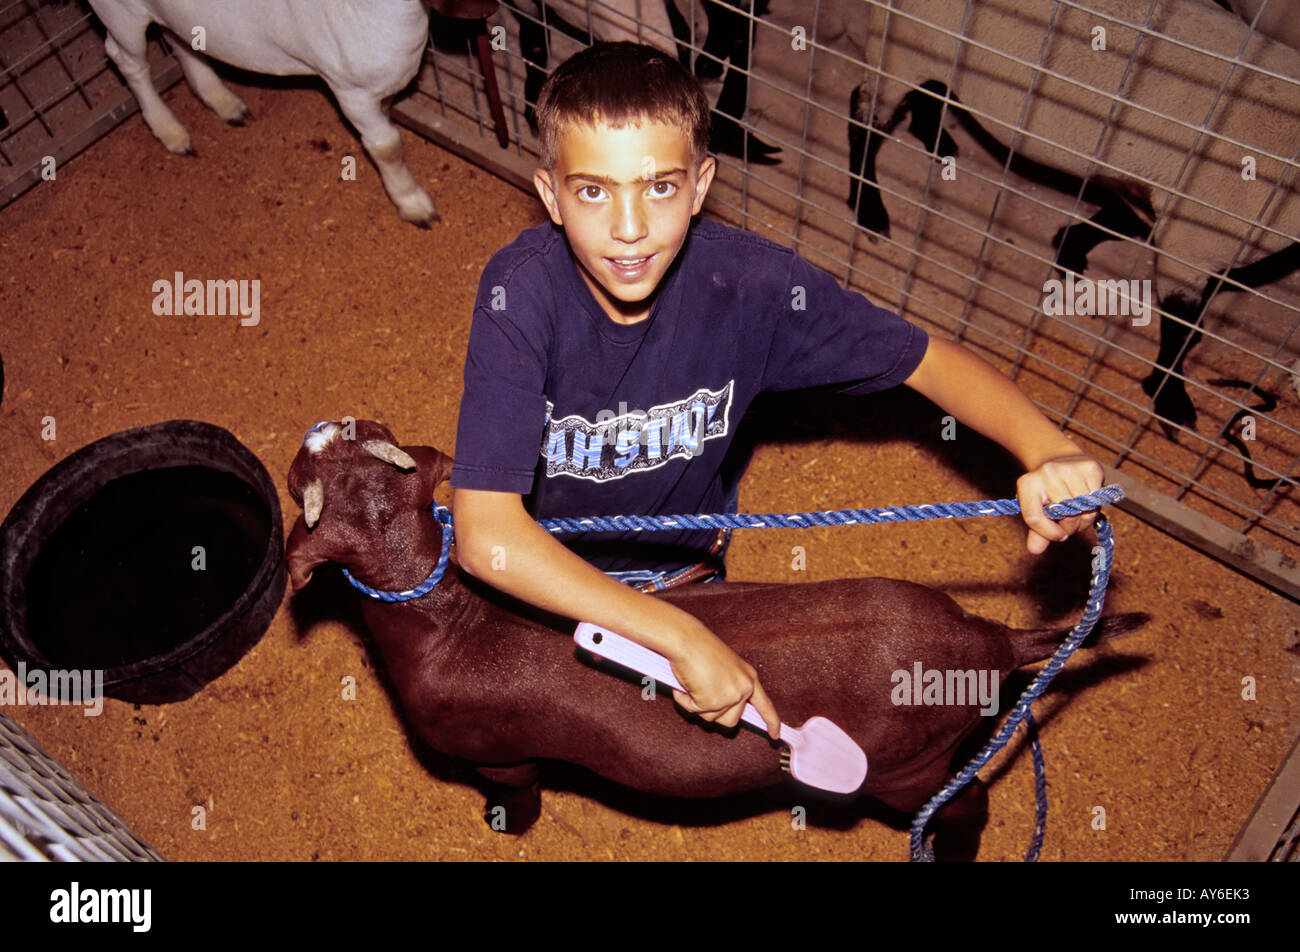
x,y
542,571
986,401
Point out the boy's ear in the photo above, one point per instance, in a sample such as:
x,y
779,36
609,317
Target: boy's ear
x,y
545,186
702,182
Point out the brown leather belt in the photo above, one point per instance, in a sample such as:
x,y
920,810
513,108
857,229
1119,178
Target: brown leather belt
x,y
692,573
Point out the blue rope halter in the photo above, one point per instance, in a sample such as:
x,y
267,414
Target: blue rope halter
x,y
920,850
443,515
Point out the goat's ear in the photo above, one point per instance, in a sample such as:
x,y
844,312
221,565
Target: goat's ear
x,y
304,551
434,464
443,472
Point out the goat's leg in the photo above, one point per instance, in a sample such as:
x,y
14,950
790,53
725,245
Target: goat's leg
x,y
957,826
532,43
954,830
208,86
514,797
126,46
384,144
726,29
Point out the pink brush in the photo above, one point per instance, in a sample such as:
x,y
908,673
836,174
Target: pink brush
x,y
821,754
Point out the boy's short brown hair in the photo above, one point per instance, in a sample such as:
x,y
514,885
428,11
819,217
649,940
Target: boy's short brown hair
x,y
620,83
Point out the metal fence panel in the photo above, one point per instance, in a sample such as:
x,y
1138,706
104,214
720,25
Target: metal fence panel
x,y
58,93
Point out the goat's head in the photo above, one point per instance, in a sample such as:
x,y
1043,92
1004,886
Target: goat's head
x,y
355,486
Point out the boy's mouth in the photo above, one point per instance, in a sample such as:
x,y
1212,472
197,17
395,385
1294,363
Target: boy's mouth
x,y
630,268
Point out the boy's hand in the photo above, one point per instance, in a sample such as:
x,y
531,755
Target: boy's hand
x,y
720,683
541,571
1056,479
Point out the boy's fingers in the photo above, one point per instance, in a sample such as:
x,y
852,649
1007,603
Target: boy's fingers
x,y
1054,481
1031,510
687,703
731,716
1069,525
685,700
766,710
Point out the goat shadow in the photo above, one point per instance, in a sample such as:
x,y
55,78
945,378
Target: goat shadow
x,y
1058,580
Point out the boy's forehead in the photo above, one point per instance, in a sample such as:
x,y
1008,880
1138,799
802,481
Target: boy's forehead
x,y
599,147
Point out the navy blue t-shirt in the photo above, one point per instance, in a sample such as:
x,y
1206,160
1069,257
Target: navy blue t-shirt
x,y
583,416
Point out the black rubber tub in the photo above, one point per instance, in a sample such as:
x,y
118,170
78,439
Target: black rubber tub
x,y
155,555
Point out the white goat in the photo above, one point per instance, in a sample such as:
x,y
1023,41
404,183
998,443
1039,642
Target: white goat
x,y
365,50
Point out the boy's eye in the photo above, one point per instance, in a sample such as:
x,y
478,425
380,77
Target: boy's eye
x,y
591,193
662,189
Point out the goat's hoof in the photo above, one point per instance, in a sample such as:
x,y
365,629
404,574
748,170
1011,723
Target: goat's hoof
x,y
236,114
421,223
419,211
178,144
517,812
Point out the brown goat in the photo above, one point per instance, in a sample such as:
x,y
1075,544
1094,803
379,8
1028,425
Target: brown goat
x,y
479,679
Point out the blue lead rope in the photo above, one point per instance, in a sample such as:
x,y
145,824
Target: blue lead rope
x,y
1105,496
1092,611
920,850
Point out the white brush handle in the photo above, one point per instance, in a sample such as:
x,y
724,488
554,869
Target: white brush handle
x,y
624,651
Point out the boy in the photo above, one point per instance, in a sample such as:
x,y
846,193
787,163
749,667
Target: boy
x,y
628,342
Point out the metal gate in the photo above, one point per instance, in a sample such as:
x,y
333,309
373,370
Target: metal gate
x,y
1170,128
57,91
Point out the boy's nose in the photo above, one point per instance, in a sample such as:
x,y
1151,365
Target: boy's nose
x,y
629,220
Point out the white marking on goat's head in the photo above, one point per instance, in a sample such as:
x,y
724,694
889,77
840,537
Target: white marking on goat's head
x,y
320,436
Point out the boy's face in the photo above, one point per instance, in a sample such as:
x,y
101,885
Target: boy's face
x,y
625,198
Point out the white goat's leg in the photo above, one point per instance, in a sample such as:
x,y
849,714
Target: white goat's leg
x,y
384,144
125,46
208,86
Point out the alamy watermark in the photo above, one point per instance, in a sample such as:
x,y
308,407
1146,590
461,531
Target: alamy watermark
x,y
39,687
947,687
181,296
1085,297
77,905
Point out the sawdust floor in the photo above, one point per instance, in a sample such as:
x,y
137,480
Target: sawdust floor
x,y
362,314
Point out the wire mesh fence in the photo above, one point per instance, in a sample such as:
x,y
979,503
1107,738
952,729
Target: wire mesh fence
x,y
1098,197
58,93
